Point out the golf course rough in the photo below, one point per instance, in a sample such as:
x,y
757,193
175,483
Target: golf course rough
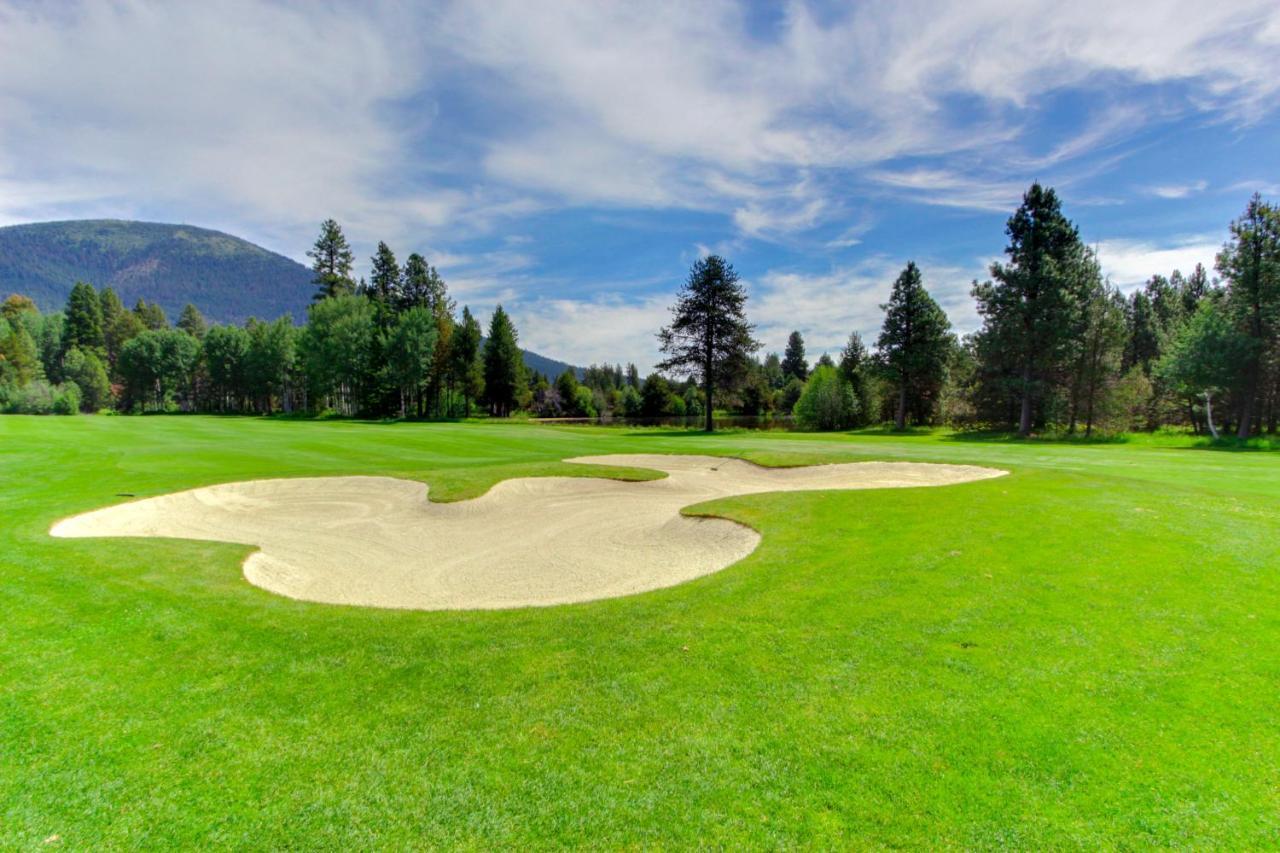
x,y
533,541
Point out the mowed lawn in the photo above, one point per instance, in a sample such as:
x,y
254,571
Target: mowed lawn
x,y
1084,653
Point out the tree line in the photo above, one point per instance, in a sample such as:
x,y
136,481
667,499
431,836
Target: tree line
x,y
1059,348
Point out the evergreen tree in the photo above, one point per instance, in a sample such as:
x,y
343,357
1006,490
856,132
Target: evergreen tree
x,y
709,337
464,360
914,343
1250,263
794,365
633,376
1099,354
331,262
385,282
504,373
1030,311
150,315
192,322
83,326
119,325
857,369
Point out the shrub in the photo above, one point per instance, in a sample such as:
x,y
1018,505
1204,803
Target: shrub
x,y
827,401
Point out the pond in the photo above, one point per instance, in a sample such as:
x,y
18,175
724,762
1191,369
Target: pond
x,y
756,422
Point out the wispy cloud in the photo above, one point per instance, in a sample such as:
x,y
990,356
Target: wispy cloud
x,y
1176,191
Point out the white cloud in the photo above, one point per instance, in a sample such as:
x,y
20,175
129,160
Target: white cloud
x,y
1129,263
1176,191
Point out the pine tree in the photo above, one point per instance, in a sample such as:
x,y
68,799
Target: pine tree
x,y
83,327
464,360
1250,262
151,315
794,365
1030,311
856,368
914,343
709,337
385,282
331,262
504,372
192,322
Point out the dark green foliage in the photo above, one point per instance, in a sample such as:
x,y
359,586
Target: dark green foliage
x,y
1250,263
226,358
504,371
89,374
150,315
171,265
709,338
83,326
385,283
192,322
914,347
657,398
465,368
1030,312
157,368
331,262
794,365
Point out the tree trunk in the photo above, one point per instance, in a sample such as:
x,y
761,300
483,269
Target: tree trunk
x,y
1208,415
1024,421
900,419
1246,404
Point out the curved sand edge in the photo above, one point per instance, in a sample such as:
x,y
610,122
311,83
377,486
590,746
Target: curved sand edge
x,y
532,541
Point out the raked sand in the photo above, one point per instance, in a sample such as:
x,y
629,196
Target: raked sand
x,y
378,541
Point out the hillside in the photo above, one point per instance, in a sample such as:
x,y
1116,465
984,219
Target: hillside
x,y
227,278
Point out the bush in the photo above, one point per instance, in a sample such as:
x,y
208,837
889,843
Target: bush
x,y
827,401
41,398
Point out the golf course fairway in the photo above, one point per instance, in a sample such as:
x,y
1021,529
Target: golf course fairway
x,y
1081,653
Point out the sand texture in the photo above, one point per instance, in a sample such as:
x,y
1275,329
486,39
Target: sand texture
x,y
378,541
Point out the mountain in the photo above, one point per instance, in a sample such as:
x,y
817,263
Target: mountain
x,y
548,367
227,278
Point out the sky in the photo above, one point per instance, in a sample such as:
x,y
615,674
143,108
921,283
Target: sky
x,y
571,160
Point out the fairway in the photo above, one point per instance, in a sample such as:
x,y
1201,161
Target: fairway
x,y
1081,653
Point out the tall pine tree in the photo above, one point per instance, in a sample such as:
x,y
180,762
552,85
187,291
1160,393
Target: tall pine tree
x,y
331,262
709,337
914,343
1030,311
794,365
504,373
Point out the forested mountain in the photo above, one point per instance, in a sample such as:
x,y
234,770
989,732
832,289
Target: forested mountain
x,y
227,278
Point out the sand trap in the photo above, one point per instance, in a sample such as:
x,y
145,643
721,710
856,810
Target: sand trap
x,y
378,541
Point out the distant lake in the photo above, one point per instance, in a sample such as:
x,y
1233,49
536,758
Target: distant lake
x,y
757,422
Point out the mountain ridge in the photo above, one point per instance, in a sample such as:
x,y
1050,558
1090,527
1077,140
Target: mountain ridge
x,y
227,277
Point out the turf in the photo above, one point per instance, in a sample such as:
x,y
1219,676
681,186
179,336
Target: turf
x,y
1082,654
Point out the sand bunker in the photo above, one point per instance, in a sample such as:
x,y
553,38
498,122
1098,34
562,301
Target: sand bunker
x,y
378,542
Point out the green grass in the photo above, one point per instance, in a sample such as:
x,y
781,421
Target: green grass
x,y
1083,654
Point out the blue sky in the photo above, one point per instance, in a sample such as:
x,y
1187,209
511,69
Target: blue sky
x,y
572,159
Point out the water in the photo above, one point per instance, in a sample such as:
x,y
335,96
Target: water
x,y
754,422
